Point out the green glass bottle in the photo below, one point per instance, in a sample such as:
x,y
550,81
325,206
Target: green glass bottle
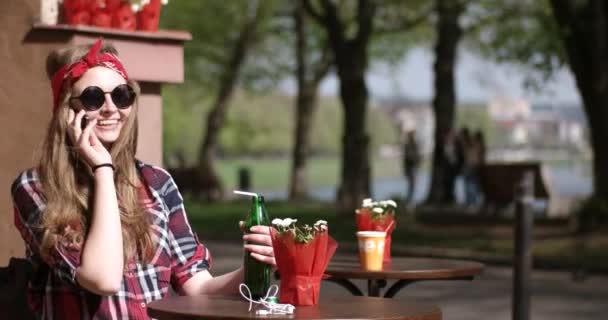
x,y
257,273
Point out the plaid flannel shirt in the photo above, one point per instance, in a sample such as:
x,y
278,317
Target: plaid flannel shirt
x,y
54,292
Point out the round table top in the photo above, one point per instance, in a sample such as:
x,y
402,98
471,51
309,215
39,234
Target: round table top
x,y
234,307
406,269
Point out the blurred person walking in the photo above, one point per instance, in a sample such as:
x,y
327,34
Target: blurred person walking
x,y
411,162
452,154
479,160
480,140
474,156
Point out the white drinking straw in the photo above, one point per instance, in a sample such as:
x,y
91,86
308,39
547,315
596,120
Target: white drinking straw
x,y
251,194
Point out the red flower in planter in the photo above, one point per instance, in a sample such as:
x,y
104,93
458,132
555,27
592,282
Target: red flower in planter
x,y
77,12
149,16
78,18
124,18
113,5
302,255
378,216
79,5
103,11
101,18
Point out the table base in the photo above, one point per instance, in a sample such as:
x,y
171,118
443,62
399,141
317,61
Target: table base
x,y
375,286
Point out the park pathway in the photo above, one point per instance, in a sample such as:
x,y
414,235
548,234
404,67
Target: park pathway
x,y
555,295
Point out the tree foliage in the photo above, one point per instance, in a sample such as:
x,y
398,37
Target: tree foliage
x,y
215,25
257,125
517,32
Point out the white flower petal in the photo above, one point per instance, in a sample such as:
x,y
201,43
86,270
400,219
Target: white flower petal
x,y
277,221
288,222
378,210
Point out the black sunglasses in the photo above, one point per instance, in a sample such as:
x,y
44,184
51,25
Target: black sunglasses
x,y
93,97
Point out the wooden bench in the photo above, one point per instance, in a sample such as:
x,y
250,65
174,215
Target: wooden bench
x,y
498,182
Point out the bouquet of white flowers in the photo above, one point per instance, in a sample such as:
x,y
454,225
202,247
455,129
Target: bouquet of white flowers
x,y
303,234
302,254
120,14
137,5
378,216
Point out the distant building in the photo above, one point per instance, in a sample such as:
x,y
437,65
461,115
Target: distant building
x,y
515,124
503,109
562,125
509,117
546,126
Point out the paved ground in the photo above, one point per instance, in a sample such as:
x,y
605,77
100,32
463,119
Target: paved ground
x,y
555,296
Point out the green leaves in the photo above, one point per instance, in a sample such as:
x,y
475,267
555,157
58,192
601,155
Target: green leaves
x,y
215,26
400,26
520,32
301,234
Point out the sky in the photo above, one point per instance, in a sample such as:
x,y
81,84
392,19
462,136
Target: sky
x,y
477,80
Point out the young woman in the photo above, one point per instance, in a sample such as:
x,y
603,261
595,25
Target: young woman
x,y
106,233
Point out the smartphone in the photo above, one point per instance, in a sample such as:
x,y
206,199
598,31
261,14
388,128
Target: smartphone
x,y
83,123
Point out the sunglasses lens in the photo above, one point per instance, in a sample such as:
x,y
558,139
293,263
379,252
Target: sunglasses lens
x,y
92,98
123,96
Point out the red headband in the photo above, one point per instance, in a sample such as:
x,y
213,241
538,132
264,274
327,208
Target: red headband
x,y
74,71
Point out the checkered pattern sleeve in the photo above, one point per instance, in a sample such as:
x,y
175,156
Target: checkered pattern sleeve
x,y
29,204
188,255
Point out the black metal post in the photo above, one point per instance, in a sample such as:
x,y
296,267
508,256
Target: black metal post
x,y
522,264
374,286
244,179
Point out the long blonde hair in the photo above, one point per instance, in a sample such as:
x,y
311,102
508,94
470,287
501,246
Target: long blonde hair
x,y
67,181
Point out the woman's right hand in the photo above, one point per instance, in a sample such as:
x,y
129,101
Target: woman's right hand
x,y
85,140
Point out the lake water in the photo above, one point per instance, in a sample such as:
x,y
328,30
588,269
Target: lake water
x,y
566,181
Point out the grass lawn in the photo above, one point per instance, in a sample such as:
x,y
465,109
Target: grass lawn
x,y
273,173
562,249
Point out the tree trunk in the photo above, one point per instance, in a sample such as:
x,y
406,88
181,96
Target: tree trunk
x,y
351,58
584,32
355,179
210,185
306,104
449,33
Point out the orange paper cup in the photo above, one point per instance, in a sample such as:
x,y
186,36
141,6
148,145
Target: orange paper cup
x,y
371,249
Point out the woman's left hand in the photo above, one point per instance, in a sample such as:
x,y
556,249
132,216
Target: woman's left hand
x,y
260,244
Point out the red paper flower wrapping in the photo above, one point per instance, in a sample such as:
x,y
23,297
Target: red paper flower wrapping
x,y
101,15
365,222
101,18
149,17
301,266
112,5
77,12
124,18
